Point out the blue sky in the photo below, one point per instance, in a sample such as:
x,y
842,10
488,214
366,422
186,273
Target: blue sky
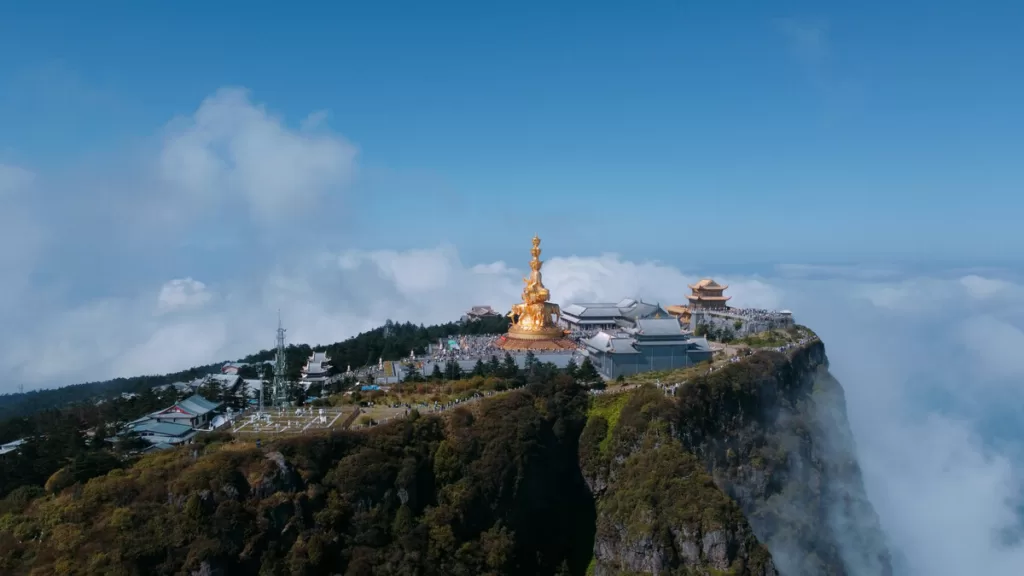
x,y
172,176
880,130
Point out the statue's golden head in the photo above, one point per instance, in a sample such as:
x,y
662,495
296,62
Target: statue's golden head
x,y
536,241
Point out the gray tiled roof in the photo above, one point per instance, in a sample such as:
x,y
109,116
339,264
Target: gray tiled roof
x,y
593,310
629,308
197,405
643,310
700,344
624,346
659,327
613,344
162,428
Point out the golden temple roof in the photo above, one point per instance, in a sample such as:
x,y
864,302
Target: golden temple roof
x,y
707,284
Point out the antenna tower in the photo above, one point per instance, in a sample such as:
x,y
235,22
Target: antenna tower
x,y
281,386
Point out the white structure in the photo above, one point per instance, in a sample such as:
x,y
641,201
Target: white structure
x,y
316,369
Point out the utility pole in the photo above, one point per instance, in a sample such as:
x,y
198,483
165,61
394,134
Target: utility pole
x,y
280,368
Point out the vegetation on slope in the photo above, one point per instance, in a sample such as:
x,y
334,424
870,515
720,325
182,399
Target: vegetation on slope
x,y
658,511
390,342
495,494
76,432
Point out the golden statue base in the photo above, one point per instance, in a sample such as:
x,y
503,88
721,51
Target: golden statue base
x,y
549,339
546,333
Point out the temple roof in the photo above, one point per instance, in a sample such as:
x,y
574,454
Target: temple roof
x,y
707,284
163,428
612,343
625,308
194,405
709,298
659,327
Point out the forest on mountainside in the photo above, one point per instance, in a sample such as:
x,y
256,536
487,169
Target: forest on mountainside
x,y
486,492
74,433
392,341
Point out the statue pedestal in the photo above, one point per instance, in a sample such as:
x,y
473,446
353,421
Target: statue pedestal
x,y
546,333
551,338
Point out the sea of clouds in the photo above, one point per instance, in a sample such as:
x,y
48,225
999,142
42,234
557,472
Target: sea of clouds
x,y
931,363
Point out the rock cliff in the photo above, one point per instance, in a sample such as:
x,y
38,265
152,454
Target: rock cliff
x,y
759,451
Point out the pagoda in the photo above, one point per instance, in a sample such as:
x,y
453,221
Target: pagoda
x,y
705,295
535,320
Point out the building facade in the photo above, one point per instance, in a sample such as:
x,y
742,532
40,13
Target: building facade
x,y
654,344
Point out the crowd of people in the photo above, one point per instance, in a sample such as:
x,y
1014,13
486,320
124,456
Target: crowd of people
x,y
479,347
757,314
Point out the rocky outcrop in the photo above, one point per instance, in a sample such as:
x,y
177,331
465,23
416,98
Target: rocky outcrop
x,y
658,511
663,515
276,476
755,457
772,432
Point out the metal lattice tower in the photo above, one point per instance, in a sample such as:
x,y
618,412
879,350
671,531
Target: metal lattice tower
x,y
282,388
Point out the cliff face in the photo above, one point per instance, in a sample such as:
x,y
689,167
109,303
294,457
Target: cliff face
x,y
658,511
769,436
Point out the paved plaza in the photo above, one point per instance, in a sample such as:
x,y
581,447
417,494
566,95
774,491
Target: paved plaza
x,y
292,421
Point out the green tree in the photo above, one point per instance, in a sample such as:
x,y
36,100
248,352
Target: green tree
x,y
493,366
587,374
479,369
509,367
571,367
412,374
530,361
452,370
436,374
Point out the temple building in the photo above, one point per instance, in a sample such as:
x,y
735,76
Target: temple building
x,y
535,320
600,316
479,313
653,344
707,295
194,411
316,369
174,425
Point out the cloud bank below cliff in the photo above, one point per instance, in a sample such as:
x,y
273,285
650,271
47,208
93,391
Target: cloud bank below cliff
x,y
104,278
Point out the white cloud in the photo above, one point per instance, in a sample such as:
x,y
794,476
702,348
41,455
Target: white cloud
x,y
233,150
997,345
984,288
927,361
182,293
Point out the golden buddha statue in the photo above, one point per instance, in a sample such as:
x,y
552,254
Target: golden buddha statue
x,y
535,318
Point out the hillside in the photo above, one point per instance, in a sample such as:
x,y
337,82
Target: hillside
x,y
746,471
392,341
